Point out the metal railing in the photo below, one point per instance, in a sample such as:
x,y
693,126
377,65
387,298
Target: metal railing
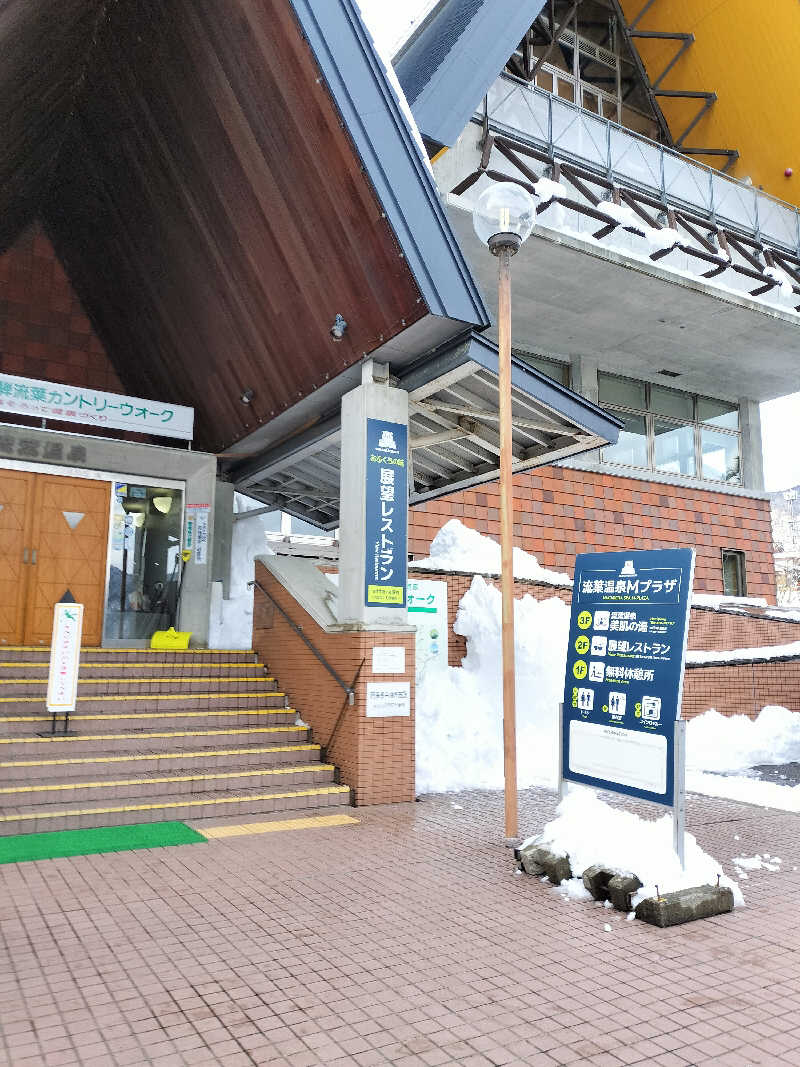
x,y
568,132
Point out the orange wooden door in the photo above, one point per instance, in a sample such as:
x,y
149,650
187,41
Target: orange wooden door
x,y
16,512
69,539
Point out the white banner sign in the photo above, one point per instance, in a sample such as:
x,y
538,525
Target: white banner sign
x,y
67,403
197,531
427,610
65,652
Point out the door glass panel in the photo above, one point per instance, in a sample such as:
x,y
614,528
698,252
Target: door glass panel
x,y
144,561
631,448
674,447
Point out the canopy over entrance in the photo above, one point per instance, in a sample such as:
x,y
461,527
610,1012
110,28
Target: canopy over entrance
x,y
453,427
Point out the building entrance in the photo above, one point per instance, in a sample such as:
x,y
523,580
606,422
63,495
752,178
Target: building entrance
x,y
53,538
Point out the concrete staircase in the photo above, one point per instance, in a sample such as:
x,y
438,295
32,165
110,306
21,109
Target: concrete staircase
x,y
155,736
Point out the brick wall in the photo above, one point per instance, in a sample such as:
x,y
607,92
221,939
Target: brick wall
x,y
560,512
742,688
708,630
375,756
44,332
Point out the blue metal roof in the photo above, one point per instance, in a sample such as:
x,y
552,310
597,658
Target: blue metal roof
x,y
357,80
454,55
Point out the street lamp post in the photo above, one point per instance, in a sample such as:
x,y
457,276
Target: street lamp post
x,y
503,218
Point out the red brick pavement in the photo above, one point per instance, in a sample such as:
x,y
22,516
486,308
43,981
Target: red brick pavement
x,y
404,940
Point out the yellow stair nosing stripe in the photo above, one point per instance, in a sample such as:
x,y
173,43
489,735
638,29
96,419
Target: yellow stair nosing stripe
x,y
147,715
143,736
221,776
215,833
149,696
137,681
45,664
252,750
320,791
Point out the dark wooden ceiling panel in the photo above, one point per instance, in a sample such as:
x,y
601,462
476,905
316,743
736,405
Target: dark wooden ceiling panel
x,y
213,216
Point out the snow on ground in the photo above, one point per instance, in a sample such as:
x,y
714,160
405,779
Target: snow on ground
x,y
758,862
459,731
735,743
457,547
590,831
232,625
745,790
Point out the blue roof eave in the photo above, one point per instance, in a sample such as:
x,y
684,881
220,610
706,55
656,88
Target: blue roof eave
x,y
370,110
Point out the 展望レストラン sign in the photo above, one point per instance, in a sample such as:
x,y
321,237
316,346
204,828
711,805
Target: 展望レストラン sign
x,y
386,514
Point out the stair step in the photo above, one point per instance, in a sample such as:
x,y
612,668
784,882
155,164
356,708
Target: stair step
x,y
27,653
160,808
99,743
80,790
24,725
39,669
37,687
155,762
159,701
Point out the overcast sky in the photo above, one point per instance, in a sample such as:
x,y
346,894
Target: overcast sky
x,y
390,23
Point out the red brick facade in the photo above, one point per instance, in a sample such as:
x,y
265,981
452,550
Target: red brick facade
x,y
375,756
741,688
560,512
44,332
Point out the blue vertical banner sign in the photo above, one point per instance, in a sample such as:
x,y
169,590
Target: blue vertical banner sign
x,y
624,677
386,514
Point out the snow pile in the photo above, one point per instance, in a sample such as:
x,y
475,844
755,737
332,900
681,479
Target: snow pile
x,y
731,743
758,862
762,653
590,831
785,285
232,626
459,722
621,214
456,547
718,601
547,190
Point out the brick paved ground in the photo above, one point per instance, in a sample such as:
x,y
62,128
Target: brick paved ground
x,y
406,939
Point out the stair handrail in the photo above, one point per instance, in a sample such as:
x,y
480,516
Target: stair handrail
x,y
349,689
329,743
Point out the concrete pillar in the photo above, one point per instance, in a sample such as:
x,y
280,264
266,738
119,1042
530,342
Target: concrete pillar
x,y
752,457
373,522
223,536
584,376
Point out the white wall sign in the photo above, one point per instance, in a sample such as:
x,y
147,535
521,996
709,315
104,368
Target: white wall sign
x,y
65,403
65,651
387,699
388,660
427,610
612,753
198,530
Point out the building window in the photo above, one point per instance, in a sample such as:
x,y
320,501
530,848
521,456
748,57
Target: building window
x,y
734,581
554,369
671,431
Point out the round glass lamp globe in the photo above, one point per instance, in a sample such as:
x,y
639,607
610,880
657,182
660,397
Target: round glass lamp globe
x,y
504,208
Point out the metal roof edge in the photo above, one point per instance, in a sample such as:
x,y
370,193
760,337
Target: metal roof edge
x,y
445,80
371,112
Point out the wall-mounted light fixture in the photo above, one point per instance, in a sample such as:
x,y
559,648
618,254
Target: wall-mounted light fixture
x,y
338,328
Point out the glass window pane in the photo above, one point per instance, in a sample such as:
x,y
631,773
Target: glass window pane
x,y
625,391
558,371
632,445
718,412
733,576
674,448
671,402
720,456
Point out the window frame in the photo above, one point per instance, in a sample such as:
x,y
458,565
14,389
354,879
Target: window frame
x,y
650,417
741,569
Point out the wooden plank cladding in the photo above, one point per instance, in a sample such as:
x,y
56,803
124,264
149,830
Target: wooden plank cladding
x,y
213,215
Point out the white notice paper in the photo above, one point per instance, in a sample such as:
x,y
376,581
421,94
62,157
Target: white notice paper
x,y
65,653
387,699
388,660
628,757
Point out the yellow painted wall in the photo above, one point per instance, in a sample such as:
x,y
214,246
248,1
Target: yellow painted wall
x,y
748,52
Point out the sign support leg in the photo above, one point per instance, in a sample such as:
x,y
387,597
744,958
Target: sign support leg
x,y
562,785
679,785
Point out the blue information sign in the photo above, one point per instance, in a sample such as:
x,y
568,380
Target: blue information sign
x,y
622,694
386,514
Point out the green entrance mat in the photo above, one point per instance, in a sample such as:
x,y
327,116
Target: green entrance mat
x,y
59,843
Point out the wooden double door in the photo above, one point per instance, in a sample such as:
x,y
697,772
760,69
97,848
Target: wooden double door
x,y
53,538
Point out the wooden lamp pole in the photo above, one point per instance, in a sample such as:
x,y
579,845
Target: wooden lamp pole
x,y
503,217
